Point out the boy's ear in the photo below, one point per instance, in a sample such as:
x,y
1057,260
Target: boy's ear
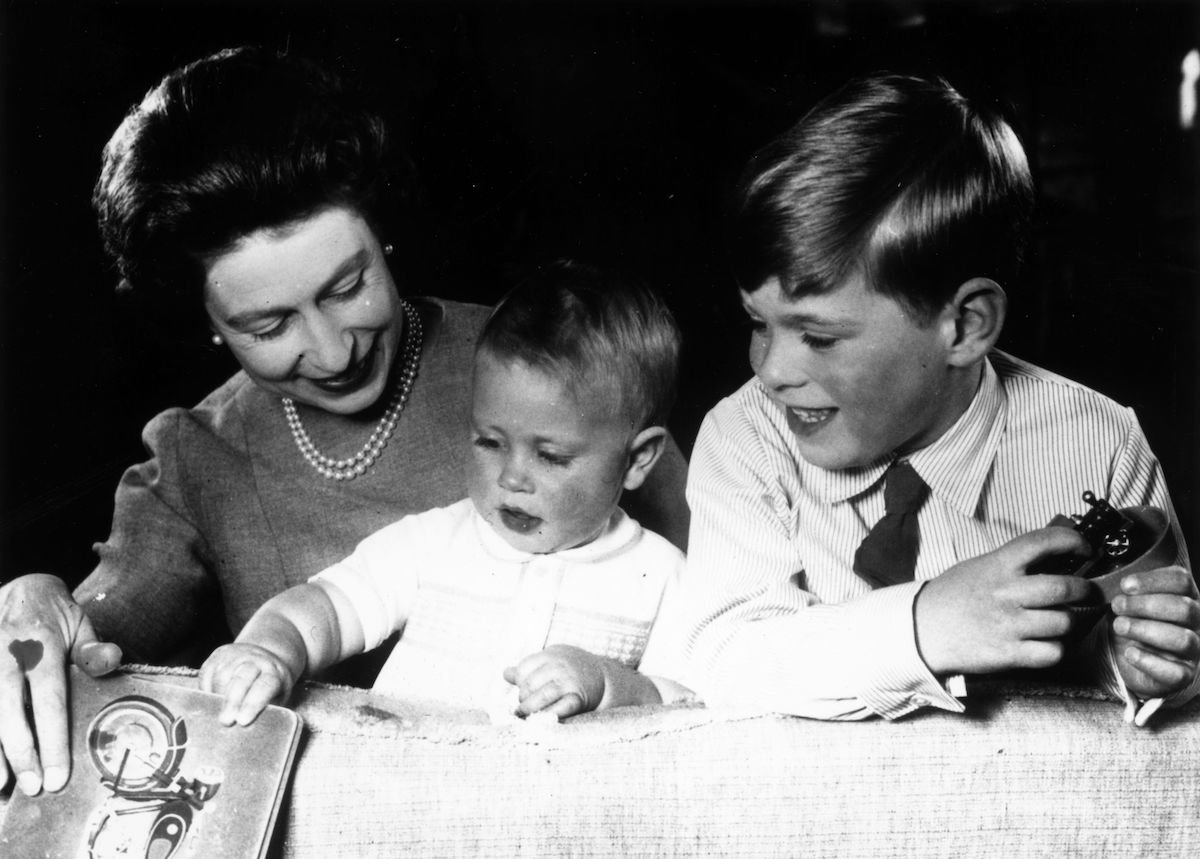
x,y
977,314
645,449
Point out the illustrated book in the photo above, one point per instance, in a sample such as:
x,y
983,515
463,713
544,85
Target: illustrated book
x,y
154,775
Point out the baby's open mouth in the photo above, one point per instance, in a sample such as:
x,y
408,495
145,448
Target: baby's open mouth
x,y
518,520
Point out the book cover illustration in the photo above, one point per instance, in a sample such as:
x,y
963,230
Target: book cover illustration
x,y
155,776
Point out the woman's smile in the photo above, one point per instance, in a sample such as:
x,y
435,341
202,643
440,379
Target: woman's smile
x,y
353,377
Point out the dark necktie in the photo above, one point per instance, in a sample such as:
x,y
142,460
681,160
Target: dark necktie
x,y
888,554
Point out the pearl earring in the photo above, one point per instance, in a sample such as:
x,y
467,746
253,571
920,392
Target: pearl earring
x,y
217,340
387,249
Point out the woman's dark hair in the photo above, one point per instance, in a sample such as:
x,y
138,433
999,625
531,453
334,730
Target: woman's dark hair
x,y
243,140
595,331
900,176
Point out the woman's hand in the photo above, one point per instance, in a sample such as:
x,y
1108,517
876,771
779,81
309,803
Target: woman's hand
x,y
250,677
40,627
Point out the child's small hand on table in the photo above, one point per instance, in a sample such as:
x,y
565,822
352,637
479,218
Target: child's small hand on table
x,y
1156,631
250,677
562,679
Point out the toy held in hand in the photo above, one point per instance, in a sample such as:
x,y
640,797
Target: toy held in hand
x,y
1123,541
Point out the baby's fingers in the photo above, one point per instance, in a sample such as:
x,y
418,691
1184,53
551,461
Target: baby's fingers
x,y
543,688
235,685
566,706
554,697
265,689
521,673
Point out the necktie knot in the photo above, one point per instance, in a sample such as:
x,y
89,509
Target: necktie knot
x,y
888,554
904,491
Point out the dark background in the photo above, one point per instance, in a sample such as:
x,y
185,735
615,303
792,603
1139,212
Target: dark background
x,y
609,131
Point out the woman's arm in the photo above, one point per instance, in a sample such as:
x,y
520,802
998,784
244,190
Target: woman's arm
x,y
153,591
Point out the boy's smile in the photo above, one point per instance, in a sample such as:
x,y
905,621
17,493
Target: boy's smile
x,y
858,376
549,463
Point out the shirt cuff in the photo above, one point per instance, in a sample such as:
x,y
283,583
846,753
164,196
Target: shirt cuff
x,y
899,681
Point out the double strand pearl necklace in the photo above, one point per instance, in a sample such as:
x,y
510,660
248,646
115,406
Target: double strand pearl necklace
x,y
361,462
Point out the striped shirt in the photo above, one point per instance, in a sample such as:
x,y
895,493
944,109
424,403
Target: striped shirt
x,y
778,620
468,604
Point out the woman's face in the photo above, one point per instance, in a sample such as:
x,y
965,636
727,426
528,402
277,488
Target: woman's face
x,y
310,311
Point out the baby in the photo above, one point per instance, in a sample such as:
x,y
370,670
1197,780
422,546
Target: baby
x,y
538,579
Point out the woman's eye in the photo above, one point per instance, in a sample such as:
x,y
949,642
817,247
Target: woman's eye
x,y
817,342
276,330
350,290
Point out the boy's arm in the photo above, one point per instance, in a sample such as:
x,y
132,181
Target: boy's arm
x,y
758,640
754,637
295,632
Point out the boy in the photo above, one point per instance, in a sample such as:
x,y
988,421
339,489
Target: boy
x,y
538,579
871,245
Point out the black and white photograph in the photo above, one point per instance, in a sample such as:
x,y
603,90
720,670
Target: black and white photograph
x,y
614,428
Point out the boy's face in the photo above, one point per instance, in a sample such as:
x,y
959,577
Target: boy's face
x,y
548,466
858,375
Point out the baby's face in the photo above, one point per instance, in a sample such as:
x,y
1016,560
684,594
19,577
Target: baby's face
x,y
548,465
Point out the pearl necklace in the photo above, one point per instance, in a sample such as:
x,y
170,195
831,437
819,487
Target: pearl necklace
x,y
361,462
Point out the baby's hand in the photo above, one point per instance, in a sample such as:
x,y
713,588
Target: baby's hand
x,y
250,677
1157,631
562,679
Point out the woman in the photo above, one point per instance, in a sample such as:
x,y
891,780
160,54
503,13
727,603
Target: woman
x,y
253,186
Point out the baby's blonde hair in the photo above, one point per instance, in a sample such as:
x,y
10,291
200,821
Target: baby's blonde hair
x,y
571,320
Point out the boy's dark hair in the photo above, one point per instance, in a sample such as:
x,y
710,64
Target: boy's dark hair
x,y
243,140
900,175
569,319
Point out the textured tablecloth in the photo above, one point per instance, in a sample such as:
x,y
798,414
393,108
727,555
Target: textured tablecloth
x,y
1037,771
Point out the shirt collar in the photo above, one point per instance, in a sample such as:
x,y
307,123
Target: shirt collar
x,y
955,466
620,532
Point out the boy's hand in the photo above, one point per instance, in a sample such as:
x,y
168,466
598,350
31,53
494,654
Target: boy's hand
x,y
250,677
1156,631
987,614
562,679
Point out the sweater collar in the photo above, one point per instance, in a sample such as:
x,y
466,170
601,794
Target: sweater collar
x,y
619,533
